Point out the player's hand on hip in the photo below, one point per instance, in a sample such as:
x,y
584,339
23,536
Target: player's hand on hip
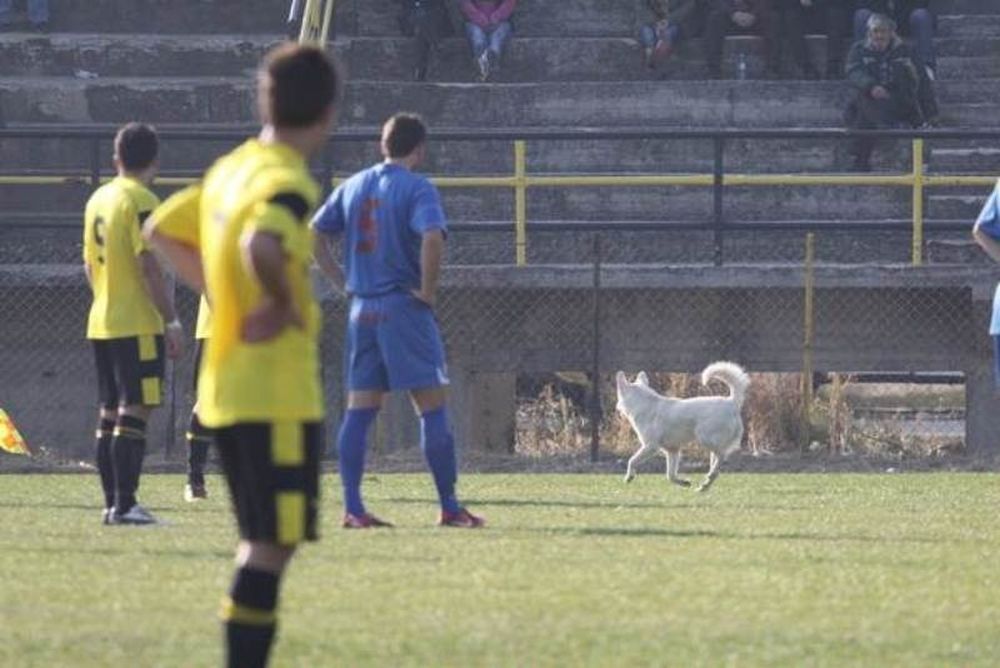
x,y
425,298
268,321
173,339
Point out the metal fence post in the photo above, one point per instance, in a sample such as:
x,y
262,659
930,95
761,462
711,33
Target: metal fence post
x,y
95,162
718,146
918,201
595,371
520,204
808,311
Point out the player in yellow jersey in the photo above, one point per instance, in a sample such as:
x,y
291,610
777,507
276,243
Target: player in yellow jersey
x,y
242,237
199,437
182,212
126,322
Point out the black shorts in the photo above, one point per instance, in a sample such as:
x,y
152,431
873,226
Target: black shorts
x,y
273,475
199,350
130,370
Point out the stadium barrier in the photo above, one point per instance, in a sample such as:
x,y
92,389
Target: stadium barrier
x,y
510,324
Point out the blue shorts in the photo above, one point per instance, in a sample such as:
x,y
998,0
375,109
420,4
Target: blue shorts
x,y
393,343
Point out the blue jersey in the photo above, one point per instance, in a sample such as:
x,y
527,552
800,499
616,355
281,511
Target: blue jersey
x,y
382,213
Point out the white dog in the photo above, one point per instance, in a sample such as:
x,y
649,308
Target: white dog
x,y
667,424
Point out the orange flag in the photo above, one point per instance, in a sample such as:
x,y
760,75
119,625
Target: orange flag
x,y
10,439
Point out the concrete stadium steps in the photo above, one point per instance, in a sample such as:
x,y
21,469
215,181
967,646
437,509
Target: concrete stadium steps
x,y
537,18
370,17
670,103
389,58
170,17
495,157
118,55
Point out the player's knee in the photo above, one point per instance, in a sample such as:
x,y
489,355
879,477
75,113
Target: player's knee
x,y
270,557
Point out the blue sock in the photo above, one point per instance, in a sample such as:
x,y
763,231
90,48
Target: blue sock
x,y
352,442
439,451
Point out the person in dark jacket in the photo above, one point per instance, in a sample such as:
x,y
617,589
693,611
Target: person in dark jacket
x,y
797,17
893,89
914,18
427,21
741,16
672,22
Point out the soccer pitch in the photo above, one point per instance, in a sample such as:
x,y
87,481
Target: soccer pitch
x,y
573,570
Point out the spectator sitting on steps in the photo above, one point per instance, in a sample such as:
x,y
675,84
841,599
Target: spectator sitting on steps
x,y
743,17
38,14
796,18
427,21
893,89
914,18
672,21
487,26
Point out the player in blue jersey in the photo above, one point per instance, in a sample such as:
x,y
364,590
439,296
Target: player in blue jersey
x,y
392,229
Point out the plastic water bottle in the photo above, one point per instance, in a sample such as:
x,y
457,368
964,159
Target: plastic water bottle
x,y
741,67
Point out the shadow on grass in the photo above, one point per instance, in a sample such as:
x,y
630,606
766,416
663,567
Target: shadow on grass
x,y
96,508
111,552
611,505
642,532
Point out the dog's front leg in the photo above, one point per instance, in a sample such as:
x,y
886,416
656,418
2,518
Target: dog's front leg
x,y
713,472
673,464
634,461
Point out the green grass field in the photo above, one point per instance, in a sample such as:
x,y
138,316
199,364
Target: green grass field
x,y
574,570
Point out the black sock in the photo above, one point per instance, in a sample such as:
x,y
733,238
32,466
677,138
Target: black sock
x,y
128,448
105,467
198,438
249,613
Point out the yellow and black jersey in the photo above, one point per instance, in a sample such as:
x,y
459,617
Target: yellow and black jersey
x,y
259,187
112,243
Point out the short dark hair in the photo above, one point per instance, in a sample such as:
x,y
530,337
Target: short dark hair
x,y
297,84
403,133
136,146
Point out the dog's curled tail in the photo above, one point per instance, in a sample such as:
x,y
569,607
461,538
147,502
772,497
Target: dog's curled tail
x,y
731,374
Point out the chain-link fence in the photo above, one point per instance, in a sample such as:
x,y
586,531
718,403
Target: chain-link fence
x,y
528,345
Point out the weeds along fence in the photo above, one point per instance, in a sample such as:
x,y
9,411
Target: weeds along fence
x,y
539,313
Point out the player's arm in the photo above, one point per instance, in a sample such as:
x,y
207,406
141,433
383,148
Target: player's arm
x,y
262,245
986,225
328,224
429,222
264,255
431,255
173,230
161,292
325,250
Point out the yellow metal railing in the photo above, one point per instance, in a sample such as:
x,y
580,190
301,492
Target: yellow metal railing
x,y
316,19
521,181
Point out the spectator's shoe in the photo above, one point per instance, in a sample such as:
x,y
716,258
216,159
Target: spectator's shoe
x,y
810,72
364,521
420,73
195,492
485,66
462,519
834,70
136,515
43,26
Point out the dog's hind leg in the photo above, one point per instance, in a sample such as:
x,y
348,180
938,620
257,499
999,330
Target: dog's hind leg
x,y
634,460
673,464
713,472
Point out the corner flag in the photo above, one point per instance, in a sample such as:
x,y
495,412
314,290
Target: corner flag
x,y
10,439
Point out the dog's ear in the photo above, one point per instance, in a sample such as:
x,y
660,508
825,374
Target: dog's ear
x,y
642,379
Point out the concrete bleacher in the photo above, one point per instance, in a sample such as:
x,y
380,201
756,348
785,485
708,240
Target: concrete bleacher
x,y
574,66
